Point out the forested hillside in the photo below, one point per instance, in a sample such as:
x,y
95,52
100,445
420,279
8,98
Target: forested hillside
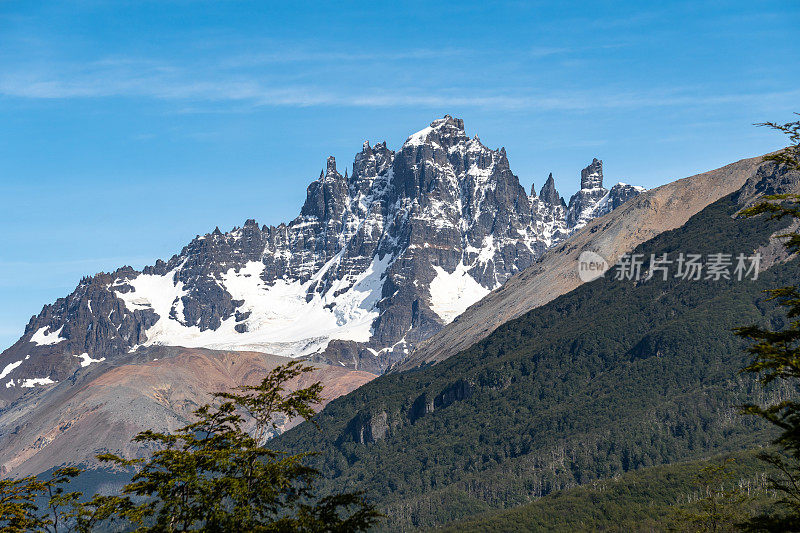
x,y
612,377
659,498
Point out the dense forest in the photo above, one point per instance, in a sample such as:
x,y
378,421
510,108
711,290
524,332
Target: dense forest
x,y
675,497
613,377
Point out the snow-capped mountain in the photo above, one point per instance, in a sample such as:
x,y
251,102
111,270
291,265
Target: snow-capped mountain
x,y
376,262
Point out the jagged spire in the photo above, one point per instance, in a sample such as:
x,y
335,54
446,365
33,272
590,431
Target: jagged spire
x,y
331,166
592,176
549,193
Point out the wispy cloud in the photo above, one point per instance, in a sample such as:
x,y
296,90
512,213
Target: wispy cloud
x,y
298,76
128,78
280,55
544,51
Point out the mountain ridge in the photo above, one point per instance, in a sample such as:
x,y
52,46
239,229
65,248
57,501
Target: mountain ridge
x,y
610,377
555,272
376,262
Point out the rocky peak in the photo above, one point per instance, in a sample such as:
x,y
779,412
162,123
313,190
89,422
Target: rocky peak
x,y
549,193
444,132
450,125
502,159
593,200
331,168
373,265
621,193
592,176
371,161
326,197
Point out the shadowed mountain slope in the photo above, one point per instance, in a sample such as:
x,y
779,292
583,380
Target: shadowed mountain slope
x,y
612,377
555,273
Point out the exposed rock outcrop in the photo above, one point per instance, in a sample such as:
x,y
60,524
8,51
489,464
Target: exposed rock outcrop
x,y
375,263
639,219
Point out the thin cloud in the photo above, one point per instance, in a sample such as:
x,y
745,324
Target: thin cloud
x,y
279,55
133,78
543,51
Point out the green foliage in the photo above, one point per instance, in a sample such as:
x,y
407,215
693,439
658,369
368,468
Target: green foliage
x,y
18,503
776,357
262,402
663,498
612,377
18,511
791,154
721,504
210,475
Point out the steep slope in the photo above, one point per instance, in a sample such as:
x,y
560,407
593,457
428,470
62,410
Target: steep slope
x,y
555,273
650,499
100,408
375,263
613,376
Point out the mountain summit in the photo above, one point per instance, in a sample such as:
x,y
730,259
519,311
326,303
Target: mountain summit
x,y
377,261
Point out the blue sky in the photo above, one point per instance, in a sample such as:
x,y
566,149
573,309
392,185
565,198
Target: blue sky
x,y
126,128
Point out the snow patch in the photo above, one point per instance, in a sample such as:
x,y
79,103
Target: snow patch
x,y
86,360
281,321
41,338
152,292
10,368
32,382
593,210
453,292
419,138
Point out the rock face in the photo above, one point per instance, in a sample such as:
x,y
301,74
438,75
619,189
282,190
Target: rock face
x,y
594,200
592,176
376,262
555,273
549,194
364,428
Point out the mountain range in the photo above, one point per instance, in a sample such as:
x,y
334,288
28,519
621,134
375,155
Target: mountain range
x,y
467,367
376,262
